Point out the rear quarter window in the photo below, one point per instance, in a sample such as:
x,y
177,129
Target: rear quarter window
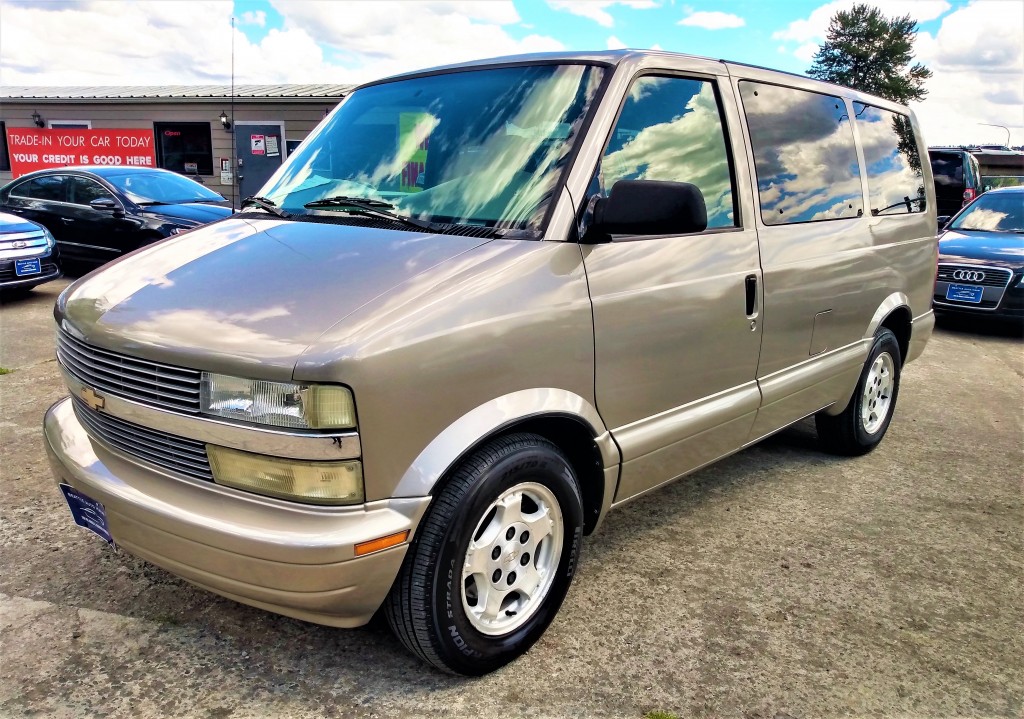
x,y
947,168
805,156
895,180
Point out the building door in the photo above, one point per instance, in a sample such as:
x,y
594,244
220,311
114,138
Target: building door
x,y
260,149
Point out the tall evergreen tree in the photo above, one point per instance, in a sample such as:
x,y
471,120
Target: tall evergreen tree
x,y
867,51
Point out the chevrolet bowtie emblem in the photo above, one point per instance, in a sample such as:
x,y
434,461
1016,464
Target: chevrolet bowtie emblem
x,y
92,399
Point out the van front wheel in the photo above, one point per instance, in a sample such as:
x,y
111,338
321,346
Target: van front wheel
x,y
492,560
860,427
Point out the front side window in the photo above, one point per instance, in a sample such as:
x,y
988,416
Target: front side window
x,y
51,188
895,180
670,129
480,147
184,147
804,154
84,191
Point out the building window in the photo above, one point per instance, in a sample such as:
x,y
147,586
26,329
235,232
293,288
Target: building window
x,y
804,154
5,160
184,147
69,124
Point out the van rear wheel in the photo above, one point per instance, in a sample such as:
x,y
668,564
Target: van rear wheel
x,y
861,425
492,560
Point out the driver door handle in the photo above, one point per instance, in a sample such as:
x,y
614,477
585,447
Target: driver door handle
x,y
67,219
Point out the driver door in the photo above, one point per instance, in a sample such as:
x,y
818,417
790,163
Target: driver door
x,y
676,318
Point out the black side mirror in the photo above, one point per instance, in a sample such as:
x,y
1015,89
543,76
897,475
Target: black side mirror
x,y
649,207
943,220
104,204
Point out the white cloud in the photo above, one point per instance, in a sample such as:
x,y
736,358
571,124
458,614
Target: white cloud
x,y
815,26
977,58
807,51
713,20
615,43
596,9
106,42
259,17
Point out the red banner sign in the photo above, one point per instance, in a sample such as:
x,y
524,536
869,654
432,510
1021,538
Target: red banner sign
x,y
31,149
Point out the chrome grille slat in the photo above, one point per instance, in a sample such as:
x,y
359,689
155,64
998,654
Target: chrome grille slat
x,y
151,383
177,454
111,370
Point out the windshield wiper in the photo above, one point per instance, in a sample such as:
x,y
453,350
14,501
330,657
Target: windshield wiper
x,y
368,207
264,204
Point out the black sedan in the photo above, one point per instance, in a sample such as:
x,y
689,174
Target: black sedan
x,y
99,213
981,258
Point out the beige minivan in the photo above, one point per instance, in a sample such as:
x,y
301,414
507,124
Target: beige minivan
x,y
477,309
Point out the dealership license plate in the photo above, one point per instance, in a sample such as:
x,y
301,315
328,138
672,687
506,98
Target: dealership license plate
x,y
27,267
87,512
964,293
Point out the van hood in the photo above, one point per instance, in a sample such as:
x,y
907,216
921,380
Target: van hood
x,y
245,296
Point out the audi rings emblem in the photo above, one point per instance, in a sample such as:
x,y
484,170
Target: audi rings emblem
x,y
969,275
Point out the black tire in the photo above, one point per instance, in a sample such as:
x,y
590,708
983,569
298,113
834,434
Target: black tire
x,y
425,607
846,433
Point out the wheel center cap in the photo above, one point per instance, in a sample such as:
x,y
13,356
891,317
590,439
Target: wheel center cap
x,y
510,558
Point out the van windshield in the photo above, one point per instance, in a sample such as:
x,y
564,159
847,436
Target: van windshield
x,y
479,147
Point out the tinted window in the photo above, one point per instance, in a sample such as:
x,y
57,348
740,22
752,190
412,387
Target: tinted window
x,y
671,129
947,167
50,187
895,180
804,154
84,191
180,145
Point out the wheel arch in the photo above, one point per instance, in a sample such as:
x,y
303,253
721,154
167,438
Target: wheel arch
x,y
563,418
894,314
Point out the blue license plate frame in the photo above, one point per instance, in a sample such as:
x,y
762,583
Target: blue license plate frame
x,y
87,512
25,268
965,293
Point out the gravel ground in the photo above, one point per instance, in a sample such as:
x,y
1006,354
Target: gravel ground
x,y
780,582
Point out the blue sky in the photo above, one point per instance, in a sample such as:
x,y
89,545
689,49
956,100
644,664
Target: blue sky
x,y
974,47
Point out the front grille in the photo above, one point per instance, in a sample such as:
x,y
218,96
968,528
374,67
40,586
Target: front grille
x,y
993,277
150,383
177,454
7,273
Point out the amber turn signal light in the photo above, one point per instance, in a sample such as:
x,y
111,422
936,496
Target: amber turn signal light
x,y
375,545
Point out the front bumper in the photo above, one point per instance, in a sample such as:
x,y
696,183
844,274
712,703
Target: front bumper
x,y
292,559
50,266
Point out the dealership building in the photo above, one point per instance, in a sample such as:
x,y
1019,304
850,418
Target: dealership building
x,y
230,139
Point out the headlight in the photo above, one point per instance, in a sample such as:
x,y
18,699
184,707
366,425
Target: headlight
x,y
297,480
50,241
1020,282
182,230
280,404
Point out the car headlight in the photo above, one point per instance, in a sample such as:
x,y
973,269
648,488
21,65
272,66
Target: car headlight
x,y
182,230
296,480
279,404
50,241
1020,282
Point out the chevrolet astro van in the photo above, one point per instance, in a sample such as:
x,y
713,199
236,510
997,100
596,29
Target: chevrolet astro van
x,y
480,307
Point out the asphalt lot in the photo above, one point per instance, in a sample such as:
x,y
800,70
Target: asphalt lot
x,y
779,582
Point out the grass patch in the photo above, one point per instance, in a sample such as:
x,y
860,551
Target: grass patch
x,y
4,370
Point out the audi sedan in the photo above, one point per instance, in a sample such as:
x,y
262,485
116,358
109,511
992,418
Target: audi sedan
x,y
981,258
98,214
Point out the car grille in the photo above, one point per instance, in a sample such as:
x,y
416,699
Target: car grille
x,y
7,273
149,383
177,454
993,277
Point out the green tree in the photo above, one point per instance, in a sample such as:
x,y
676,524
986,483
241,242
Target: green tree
x,y
867,51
